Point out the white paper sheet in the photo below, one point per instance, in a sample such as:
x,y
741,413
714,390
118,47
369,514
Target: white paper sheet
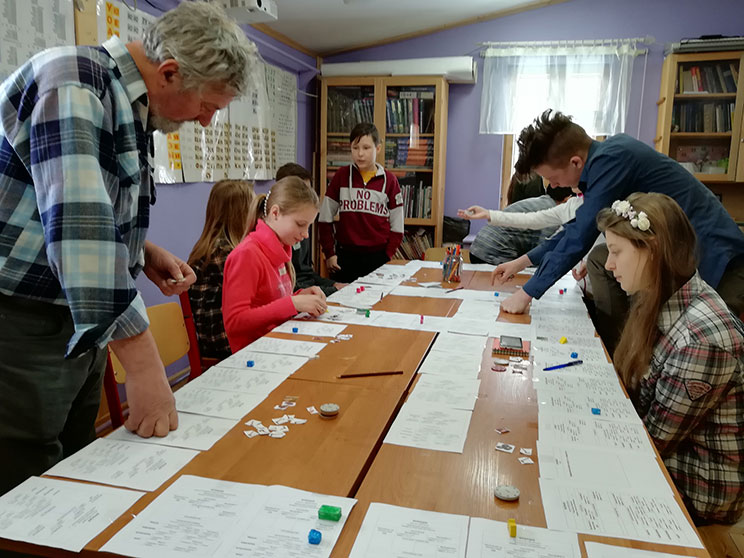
x,y
198,517
61,514
421,426
389,275
605,371
490,539
460,344
447,391
194,432
451,364
216,403
310,327
396,532
551,354
558,429
127,464
286,347
599,550
349,295
625,470
274,363
525,331
232,379
573,383
600,511
581,405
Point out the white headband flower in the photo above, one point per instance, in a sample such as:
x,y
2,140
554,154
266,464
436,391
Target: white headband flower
x,y
638,220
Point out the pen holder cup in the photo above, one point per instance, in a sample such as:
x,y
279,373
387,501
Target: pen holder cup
x,y
452,268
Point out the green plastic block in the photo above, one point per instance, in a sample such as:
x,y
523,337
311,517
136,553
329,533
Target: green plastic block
x,y
333,513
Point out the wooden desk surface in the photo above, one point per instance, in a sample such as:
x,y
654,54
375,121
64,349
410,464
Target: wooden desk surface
x,y
345,456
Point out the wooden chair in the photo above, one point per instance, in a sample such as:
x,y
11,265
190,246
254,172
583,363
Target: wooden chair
x,y
172,326
437,254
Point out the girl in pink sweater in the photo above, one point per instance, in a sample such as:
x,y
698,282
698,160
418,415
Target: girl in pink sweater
x,y
259,277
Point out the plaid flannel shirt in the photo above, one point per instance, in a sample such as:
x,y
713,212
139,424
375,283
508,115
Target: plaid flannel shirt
x,y
205,296
692,401
75,188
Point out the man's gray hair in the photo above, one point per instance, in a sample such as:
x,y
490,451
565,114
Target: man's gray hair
x,y
209,47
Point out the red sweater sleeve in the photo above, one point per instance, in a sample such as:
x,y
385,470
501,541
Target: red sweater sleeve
x,y
248,309
328,210
397,218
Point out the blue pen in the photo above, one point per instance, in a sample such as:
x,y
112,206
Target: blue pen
x,y
557,366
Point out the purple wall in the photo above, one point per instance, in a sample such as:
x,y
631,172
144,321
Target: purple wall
x,y
177,218
474,160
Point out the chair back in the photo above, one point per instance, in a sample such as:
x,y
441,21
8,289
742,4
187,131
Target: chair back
x,y
172,327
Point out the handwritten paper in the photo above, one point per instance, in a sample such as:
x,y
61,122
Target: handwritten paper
x,y
127,464
232,379
396,532
61,514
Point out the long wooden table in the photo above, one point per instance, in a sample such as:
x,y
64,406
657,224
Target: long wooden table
x,y
346,456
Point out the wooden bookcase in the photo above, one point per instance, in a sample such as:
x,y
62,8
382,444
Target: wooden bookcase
x,y
700,121
411,116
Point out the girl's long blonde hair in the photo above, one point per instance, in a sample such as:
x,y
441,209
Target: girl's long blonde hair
x,y
289,194
228,210
672,261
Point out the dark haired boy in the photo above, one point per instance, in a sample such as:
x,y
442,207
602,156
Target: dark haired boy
x,y
368,201
561,152
302,258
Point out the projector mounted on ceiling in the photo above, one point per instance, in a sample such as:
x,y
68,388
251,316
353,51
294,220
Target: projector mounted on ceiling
x,y
250,11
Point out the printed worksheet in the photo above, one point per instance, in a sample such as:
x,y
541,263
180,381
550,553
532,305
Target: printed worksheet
x,y
202,517
610,407
286,347
625,514
310,327
194,432
396,532
575,383
61,514
390,275
600,550
232,379
127,464
359,295
558,429
426,427
625,470
460,344
446,391
452,364
491,539
216,402
470,308
550,354
525,331
275,363
605,371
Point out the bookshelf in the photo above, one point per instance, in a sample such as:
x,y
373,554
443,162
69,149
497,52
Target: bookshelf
x,y
411,116
700,121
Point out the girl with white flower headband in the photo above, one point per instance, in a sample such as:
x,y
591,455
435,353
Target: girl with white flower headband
x,y
681,354
259,277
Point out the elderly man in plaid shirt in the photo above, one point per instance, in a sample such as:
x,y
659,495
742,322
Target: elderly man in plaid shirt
x,y
75,190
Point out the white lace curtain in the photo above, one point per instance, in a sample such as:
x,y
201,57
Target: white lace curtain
x,y
589,82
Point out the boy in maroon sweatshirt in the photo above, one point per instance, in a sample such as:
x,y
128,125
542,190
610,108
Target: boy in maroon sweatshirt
x,y
369,203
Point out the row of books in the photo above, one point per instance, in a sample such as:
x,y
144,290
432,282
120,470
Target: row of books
x,y
407,114
401,152
338,153
414,245
702,117
416,200
721,77
346,112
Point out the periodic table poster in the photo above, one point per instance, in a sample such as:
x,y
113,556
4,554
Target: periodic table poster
x,y
250,139
30,26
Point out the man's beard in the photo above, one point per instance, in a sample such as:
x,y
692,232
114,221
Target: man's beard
x,y
162,124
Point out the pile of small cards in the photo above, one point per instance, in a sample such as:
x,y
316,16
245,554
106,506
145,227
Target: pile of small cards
x,y
509,448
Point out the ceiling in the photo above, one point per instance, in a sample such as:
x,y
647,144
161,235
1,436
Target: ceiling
x,y
324,27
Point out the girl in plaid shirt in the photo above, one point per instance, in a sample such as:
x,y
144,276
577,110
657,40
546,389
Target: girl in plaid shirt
x,y
681,354
224,227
